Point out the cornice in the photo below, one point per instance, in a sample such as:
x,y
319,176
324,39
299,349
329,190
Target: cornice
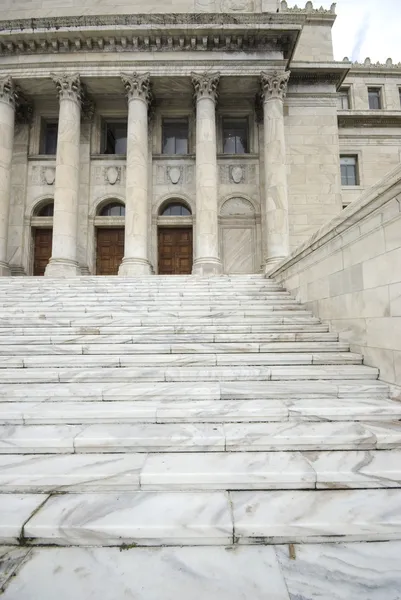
x,y
384,118
368,67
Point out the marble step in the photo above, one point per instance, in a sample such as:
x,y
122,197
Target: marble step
x,y
367,469
85,361
190,308
171,348
185,373
200,518
133,391
199,437
82,411
122,299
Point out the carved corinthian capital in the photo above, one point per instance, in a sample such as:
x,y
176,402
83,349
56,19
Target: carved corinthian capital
x,y
8,93
274,85
137,85
68,86
206,85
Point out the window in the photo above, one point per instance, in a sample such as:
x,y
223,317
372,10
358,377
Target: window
x,y
375,100
176,210
114,137
48,137
235,136
349,170
399,94
46,211
175,136
114,209
344,99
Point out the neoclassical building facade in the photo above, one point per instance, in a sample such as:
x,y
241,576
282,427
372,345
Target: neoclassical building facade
x,y
211,140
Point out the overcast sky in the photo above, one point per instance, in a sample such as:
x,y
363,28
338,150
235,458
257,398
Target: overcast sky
x,y
365,28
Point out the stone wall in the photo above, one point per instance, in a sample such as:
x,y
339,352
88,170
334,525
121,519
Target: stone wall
x,y
348,273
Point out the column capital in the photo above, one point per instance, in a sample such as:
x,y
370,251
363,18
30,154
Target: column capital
x,y
137,86
206,85
274,85
8,92
68,86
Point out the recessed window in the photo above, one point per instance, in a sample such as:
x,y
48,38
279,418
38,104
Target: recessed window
x,y
114,209
48,137
349,170
114,137
235,135
344,98
175,136
46,211
375,99
176,210
399,94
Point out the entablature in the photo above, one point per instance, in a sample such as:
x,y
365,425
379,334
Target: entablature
x,y
369,118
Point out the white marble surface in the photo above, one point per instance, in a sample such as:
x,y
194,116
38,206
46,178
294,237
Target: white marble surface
x,y
142,518
15,510
11,559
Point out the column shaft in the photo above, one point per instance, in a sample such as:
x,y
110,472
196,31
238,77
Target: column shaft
x,y
135,261
63,262
274,87
207,259
7,119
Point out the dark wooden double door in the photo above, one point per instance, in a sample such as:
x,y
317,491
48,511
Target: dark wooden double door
x,y
42,240
175,250
109,250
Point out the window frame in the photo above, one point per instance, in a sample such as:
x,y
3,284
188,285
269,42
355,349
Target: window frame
x,y
182,205
379,89
103,135
357,179
172,118
44,123
233,117
344,92
111,205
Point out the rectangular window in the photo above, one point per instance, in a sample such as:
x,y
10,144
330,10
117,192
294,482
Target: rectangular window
x,y
343,99
175,136
349,170
48,137
375,100
114,137
235,135
399,94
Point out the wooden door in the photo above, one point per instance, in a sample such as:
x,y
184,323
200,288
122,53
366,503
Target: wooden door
x,y
175,251
109,250
42,250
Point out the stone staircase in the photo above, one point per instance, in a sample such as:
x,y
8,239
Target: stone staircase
x,y
187,411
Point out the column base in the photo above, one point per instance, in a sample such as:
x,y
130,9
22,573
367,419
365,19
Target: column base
x,y
207,267
60,267
271,264
5,270
133,267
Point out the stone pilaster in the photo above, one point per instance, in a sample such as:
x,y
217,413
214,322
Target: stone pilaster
x,y
207,260
63,262
274,88
7,120
136,261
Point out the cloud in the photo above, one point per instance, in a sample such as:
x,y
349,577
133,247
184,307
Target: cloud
x,y
361,36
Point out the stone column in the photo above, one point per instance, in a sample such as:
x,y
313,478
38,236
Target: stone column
x,y
7,119
135,261
274,88
207,260
63,262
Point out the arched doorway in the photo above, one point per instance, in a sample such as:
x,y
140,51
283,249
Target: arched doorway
x,y
109,224
175,243
42,236
238,236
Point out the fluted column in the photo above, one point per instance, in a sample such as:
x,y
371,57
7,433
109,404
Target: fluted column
x,y
135,261
207,260
63,262
7,119
274,88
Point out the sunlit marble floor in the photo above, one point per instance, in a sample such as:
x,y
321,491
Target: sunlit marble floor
x,y
365,571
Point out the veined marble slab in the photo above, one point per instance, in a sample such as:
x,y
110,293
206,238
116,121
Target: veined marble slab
x,y
11,559
144,518
216,411
291,390
314,516
43,439
343,409
15,510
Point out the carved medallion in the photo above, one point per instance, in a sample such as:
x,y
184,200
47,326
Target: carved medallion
x,y
112,175
48,175
174,174
237,174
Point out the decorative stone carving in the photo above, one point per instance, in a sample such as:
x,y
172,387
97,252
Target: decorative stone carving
x,y
68,86
237,206
112,175
8,92
237,174
206,85
138,86
48,175
274,85
174,174
236,6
